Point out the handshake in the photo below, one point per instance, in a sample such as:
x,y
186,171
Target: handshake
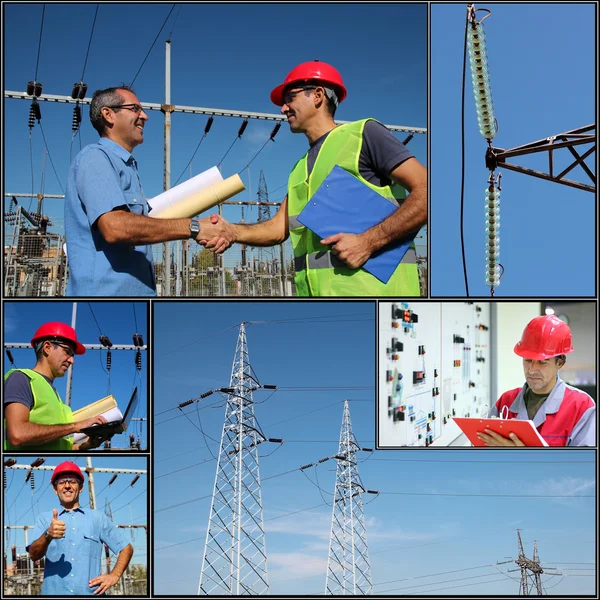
x,y
216,233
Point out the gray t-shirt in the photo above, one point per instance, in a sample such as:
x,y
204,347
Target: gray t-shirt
x,y
381,152
17,388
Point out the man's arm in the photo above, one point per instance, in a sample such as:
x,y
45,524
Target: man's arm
x,y
124,227
39,547
108,580
355,249
56,530
268,233
22,432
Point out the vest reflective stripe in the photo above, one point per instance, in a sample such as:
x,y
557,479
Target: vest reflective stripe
x,y
294,223
314,277
329,260
47,409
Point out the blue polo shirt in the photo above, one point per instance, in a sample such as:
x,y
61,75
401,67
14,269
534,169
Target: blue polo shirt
x,y
104,176
75,559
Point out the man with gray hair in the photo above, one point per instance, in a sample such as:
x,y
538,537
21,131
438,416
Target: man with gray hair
x,y
108,230
366,149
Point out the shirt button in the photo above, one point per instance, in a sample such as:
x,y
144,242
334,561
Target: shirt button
x,y
134,200
73,544
72,575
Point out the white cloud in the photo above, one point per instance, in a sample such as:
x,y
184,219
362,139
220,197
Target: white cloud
x,y
296,565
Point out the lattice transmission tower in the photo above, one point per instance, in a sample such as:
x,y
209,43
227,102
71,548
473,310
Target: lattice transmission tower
x,y
529,565
348,567
235,554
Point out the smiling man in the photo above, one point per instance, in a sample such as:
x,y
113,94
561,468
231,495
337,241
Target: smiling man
x,y
108,231
35,417
562,414
309,97
72,540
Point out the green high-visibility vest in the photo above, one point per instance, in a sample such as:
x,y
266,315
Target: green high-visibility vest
x,y
318,271
47,409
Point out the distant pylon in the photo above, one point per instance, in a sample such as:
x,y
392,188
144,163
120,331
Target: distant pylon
x,y
529,565
264,212
348,568
235,554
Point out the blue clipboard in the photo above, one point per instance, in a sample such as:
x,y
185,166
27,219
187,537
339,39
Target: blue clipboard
x,y
343,204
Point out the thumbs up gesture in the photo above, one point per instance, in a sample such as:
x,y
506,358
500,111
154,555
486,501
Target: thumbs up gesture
x,y
57,528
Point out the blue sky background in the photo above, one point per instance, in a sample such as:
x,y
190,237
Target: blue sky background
x,y
222,56
413,528
90,379
22,505
542,66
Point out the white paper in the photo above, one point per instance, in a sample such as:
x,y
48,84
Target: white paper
x,y
185,189
114,414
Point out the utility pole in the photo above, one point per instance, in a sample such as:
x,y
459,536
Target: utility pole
x,y
235,554
70,371
348,567
167,109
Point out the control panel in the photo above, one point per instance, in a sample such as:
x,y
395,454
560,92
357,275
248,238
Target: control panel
x,y
433,365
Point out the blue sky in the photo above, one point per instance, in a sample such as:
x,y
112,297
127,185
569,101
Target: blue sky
x,y
90,379
222,56
332,344
542,66
22,505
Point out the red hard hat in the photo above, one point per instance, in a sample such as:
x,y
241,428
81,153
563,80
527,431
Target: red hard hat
x,y
66,467
55,329
544,337
311,71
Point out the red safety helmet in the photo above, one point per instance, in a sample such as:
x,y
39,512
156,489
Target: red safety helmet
x,y
54,330
66,467
544,337
311,71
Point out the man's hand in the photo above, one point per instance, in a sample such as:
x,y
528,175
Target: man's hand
x,y
216,234
490,438
104,582
57,528
90,442
99,420
353,249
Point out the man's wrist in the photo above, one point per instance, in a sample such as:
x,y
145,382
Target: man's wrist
x,y
194,228
47,536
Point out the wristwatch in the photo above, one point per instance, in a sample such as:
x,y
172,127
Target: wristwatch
x,y
194,228
47,535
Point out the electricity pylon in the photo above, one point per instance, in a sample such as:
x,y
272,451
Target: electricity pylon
x,y
529,565
348,567
235,554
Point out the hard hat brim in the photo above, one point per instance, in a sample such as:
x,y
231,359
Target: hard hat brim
x,y
277,94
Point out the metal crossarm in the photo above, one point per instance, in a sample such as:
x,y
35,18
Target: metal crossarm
x,y
497,157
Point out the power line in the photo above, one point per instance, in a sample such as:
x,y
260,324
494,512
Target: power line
x,y
487,495
50,157
134,316
152,46
37,62
447,581
90,42
462,183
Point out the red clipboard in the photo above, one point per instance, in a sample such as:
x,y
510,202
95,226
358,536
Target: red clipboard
x,y
524,430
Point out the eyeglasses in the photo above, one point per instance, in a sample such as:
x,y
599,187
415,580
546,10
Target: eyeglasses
x,y
136,108
65,480
65,347
291,95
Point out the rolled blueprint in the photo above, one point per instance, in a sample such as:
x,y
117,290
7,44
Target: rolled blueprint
x,y
185,189
203,200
